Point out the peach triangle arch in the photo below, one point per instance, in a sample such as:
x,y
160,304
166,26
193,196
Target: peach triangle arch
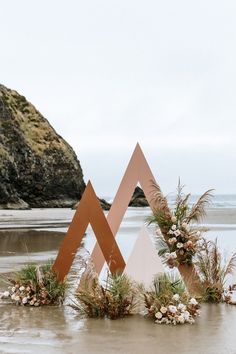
x,y
88,211
138,171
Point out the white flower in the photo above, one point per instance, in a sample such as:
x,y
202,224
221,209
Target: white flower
x,y
173,227
181,319
193,301
181,307
176,297
158,315
172,240
177,232
167,255
13,289
6,294
179,245
163,309
17,298
198,233
170,232
186,315
172,309
22,288
184,225
164,320
173,219
173,255
24,300
31,303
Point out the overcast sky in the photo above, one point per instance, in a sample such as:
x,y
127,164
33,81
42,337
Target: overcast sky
x,y
107,74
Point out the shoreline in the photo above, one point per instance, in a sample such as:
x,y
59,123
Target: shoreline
x,y
60,218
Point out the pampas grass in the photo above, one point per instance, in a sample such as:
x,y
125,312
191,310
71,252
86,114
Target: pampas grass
x,y
212,271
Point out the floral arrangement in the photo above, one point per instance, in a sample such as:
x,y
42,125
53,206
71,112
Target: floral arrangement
x,y
178,241
230,295
169,303
35,286
114,299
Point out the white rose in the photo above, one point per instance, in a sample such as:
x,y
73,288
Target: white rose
x,y
22,288
181,307
172,309
176,297
179,245
17,298
173,227
6,294
173,219
193,301
24,300
13,289
158,315
177,232
186,315
170,232
163,309
198,233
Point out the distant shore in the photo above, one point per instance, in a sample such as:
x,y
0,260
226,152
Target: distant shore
x,y
216,218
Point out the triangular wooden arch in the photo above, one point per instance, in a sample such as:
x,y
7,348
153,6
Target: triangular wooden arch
x,y
138,171
88,211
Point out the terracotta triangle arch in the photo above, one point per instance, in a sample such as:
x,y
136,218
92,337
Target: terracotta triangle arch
x,y
88,211
138,170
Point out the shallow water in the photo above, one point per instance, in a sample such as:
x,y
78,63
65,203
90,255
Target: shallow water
x,y
61,330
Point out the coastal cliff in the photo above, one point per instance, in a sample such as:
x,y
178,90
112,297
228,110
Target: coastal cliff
x,y
38,168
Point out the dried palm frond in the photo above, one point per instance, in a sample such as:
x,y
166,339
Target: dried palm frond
x,y
198,210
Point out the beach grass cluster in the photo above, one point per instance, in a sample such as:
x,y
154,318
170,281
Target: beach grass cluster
x,y
213,272
116,298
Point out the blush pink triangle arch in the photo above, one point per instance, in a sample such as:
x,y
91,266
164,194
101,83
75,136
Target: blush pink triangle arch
x,y
144,263
138,171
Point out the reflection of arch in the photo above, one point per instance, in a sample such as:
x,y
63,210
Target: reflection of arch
x,y
88,211
138,170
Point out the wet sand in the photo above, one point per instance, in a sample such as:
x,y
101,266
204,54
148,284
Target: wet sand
x,y
61,330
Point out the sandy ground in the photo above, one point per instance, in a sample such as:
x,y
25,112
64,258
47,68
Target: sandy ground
x,y
36,235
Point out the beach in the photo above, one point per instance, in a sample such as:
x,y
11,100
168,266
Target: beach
x,y
35,236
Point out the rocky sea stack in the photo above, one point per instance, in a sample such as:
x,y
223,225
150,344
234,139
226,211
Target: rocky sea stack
x,y
37,166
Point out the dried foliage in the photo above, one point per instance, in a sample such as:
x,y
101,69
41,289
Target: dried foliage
x,y
212,271
36,285
113,300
